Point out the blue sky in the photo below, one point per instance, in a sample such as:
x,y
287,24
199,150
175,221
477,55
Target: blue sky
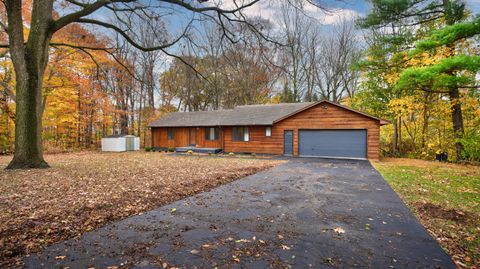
x,y
342,8
270,9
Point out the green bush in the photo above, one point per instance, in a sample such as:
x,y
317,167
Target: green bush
x,y
231,154
471,146
148,149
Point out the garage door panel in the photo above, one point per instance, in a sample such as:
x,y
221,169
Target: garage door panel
x,y
333,143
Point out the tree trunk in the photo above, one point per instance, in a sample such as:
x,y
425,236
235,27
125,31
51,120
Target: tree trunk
x,y
454,92
395,137
399,136
457,120
29,61
28,142
426,116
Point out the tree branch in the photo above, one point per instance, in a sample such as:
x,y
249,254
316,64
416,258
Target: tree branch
x,y
87,10
205,9
130,40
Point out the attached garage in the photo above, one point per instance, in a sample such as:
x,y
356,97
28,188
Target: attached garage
x,y
333,143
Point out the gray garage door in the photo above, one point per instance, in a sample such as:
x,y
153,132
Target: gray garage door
x,y
333,143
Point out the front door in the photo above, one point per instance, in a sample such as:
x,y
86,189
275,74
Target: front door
x,y
288,143
193,137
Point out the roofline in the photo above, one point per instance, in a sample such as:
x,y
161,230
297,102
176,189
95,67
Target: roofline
x,y
210,125
381,121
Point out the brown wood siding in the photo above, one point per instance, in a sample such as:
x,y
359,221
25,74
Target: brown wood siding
x,y
182,138
322,116
258,142
203,143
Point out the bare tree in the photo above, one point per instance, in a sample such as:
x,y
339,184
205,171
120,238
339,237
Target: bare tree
x,y
338,52
30,55
294,24
310,62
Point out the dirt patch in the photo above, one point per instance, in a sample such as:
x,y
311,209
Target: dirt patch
x,y
84,191
438,212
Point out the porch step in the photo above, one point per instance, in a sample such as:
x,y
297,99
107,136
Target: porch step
x,y
199,150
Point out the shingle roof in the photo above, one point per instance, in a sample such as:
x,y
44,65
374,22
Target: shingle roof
x,y
197,118
266,114
240,115
261,114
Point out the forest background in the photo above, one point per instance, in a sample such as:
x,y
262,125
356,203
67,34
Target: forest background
x,y
414,63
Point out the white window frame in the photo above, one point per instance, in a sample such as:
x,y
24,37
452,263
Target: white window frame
x,y
268,131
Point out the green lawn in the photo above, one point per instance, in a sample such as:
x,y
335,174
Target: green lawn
x,y
446,200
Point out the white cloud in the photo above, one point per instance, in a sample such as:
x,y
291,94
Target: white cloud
x,y
340,15
271,10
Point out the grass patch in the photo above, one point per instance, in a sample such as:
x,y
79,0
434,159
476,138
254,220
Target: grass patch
x,y
86,190
445,198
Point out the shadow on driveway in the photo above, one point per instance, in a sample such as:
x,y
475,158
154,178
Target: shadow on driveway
x,y
307,213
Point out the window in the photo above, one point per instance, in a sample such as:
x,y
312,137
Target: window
x,y
211,133
170,133
240,134
268,131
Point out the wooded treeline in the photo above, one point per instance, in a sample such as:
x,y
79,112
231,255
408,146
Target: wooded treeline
x,y
420,71
373,63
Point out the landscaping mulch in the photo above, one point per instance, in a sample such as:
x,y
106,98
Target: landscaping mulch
x,y
86,190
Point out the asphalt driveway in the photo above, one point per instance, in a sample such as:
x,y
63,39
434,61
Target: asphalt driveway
x,y
307,213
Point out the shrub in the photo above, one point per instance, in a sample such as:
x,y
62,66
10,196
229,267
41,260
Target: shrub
x,y
471,146
190,152
148,149
231,154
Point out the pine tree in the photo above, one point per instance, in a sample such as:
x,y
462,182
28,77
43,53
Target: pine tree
x,y
286,96
457,70
404,18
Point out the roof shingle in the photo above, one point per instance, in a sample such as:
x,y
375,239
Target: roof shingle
x,y
266,114
240,115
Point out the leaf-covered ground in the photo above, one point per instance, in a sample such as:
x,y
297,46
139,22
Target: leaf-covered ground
x,y
445,198
86,190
